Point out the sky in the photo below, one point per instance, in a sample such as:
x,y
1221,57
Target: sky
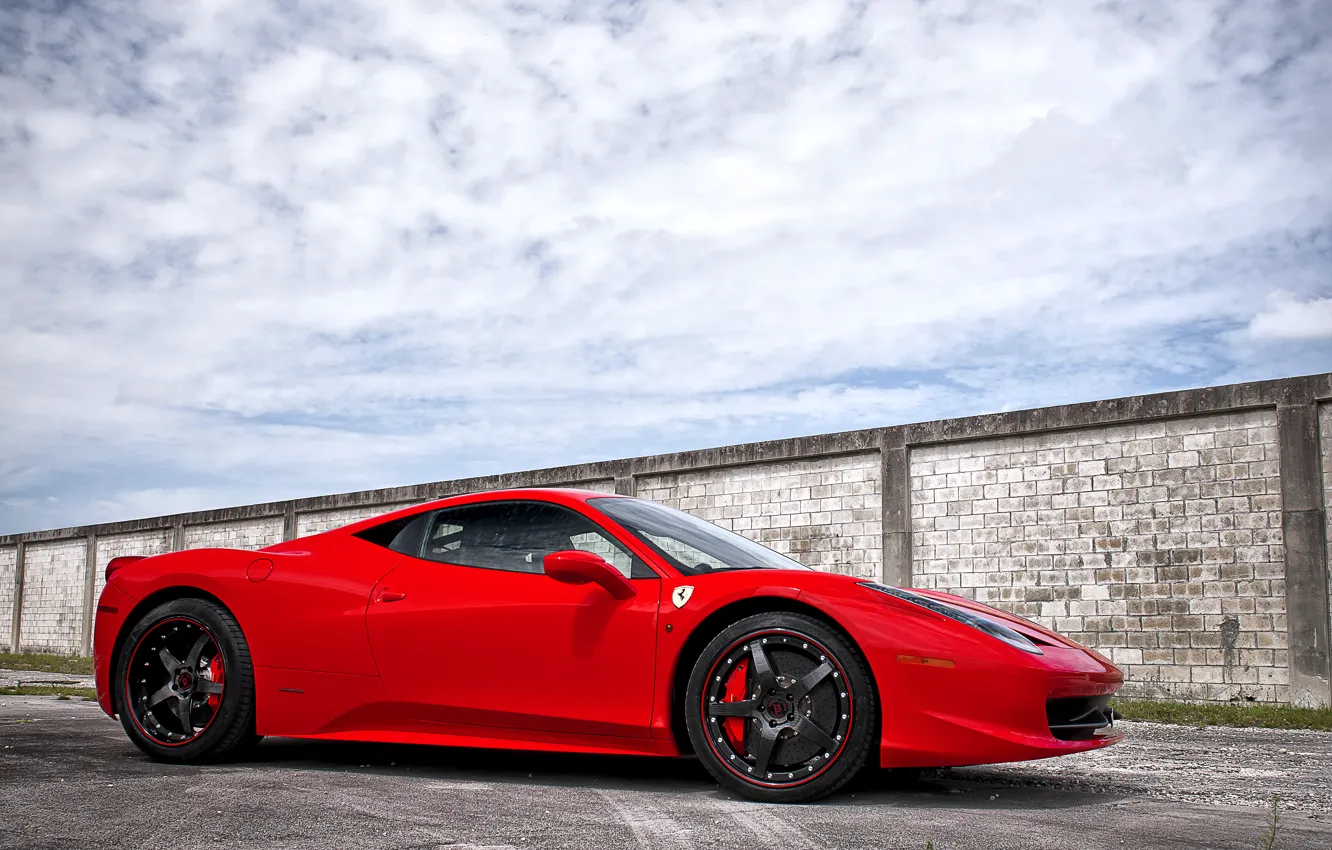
x,y
253,251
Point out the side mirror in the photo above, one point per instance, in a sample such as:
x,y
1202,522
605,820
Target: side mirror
x,y
575,567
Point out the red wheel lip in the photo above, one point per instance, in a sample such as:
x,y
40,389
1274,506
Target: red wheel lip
x,y
130,666
850,724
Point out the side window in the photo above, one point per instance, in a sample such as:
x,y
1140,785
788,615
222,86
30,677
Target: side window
x,y
445,541
517,536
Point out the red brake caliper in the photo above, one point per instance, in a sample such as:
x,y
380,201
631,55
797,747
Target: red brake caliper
x,y
737,689
216,674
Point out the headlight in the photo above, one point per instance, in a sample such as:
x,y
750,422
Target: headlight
x,y
962,615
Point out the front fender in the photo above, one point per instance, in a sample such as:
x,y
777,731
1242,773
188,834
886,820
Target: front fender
x,y
712,594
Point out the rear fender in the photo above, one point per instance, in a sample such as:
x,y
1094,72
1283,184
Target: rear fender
x,y
298,609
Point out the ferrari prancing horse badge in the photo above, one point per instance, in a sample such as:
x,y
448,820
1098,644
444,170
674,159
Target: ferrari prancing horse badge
x,y
681,595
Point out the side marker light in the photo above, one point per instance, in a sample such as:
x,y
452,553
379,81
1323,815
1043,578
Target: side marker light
x,y
925,662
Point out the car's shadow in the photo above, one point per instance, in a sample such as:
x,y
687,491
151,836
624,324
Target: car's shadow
x,y
461,763
875,786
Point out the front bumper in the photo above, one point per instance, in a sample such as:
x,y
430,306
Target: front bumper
x,y
987,710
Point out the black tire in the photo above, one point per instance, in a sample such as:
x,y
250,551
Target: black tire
x,y
162,649
839,721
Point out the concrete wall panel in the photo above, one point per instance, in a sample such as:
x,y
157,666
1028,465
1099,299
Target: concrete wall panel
x,y
1158,543
318,523
249,534
825,513
141,543
53,597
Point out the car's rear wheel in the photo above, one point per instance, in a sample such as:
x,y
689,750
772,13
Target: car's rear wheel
x,y
781,708
184,683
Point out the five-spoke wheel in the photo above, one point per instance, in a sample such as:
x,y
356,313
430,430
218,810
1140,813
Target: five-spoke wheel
x,y
175,681
184,687
780,708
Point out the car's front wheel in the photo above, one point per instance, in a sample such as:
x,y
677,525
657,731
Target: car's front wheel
x,y
184,683
781,708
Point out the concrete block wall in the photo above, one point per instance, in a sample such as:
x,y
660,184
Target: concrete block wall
x,y
246,534
8,562
1185,534
826,513
53,597
321,521
1159,543
152,542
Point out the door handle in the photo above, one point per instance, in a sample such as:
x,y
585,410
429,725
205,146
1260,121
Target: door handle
x,y
390,596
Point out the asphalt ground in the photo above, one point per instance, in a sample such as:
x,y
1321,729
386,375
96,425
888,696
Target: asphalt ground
x,y
70,779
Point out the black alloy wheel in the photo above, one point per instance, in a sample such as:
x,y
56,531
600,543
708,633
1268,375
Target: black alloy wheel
x,y
781,709
175,680
184,684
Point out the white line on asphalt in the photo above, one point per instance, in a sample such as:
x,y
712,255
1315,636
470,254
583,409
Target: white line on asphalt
x,y
767,825
652,827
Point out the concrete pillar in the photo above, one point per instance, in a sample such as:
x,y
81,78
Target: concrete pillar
x,y
289,522
16,623
1305,537
896,494
89,592
178,537
625,482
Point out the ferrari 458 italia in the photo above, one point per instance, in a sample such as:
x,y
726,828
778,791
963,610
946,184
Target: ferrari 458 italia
x,y
576,621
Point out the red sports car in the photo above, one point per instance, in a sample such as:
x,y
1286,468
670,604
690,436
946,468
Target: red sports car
x,y
580,622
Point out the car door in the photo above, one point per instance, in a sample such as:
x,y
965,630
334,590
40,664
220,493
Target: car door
x,y
468,629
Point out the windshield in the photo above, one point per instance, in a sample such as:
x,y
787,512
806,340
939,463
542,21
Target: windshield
x,y
688,543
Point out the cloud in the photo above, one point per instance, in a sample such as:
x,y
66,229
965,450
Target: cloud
x,y
1289,319
254,251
